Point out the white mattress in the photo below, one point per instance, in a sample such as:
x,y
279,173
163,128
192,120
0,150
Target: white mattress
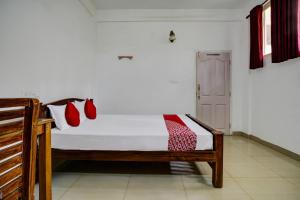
x,y
125,133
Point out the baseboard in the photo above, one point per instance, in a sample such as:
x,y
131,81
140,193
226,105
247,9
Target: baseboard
x,y
240,133
268,144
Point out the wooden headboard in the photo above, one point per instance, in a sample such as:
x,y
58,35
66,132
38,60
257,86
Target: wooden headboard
x,y
45,112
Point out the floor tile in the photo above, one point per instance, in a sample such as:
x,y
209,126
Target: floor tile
x,y
277,197
230,187
287,172
232,197
267,186
57,193
238,157
217,194
194,182
200,195
155,182
283,166
102,181
252,148
64,180
238,170
93,194
295,181
137,194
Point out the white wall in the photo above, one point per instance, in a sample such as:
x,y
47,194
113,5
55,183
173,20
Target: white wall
x,y
274,96
47,49
275,92
161,76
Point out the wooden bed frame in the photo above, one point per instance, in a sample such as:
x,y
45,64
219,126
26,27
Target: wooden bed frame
x,y
213,157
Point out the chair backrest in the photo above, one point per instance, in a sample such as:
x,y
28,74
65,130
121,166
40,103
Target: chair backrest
x,y
18,136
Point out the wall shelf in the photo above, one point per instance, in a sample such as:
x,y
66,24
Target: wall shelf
x,y
128,57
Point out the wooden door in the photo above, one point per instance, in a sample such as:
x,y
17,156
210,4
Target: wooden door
x,y
213,90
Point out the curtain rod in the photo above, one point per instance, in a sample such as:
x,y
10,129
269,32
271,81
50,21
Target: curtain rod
x,y
261,5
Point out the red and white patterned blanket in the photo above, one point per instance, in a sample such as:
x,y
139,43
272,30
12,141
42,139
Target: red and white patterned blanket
x,y
181,138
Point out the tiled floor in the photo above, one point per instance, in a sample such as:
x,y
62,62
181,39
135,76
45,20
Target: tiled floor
x,y
251,171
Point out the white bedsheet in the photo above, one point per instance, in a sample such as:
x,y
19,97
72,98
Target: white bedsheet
x,y
125,132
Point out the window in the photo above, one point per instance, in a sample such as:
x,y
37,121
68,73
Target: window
x,y
267,49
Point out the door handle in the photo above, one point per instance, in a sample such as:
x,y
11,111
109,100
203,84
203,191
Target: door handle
x,y
198,91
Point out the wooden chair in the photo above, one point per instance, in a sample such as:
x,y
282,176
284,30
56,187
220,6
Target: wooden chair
x,y
18,136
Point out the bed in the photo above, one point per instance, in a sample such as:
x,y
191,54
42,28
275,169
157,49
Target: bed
x,y
134,138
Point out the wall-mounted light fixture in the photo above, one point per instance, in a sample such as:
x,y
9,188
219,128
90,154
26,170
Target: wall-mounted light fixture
x,y
172,36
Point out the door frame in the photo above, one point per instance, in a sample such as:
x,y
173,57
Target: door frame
x,y
230,81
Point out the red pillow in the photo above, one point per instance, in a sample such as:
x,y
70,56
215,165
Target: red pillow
x,y
90,109
72,115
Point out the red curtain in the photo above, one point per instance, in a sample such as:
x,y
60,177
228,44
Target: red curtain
x,y
298,27
256,40
284,30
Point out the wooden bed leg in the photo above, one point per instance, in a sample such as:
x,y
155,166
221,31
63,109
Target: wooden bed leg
x,y
217,166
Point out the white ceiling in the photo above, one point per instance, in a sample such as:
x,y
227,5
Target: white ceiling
x,y
170,4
